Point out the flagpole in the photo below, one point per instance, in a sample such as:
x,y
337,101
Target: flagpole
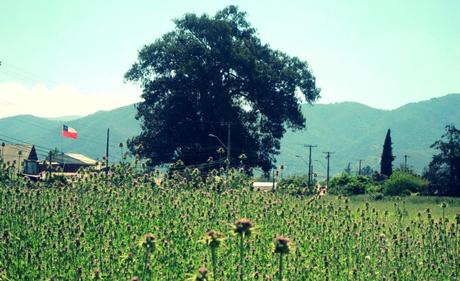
x,y
107,154
62,150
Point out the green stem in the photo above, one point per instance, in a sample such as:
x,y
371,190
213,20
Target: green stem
x,y
100,251
280,268
214,263
146,260
241,256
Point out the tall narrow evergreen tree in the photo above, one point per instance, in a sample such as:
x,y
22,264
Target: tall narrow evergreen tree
x,y
386,166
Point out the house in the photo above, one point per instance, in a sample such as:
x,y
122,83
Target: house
x,y
72,162
22,157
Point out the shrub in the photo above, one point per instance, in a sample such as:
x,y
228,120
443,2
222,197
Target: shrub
x,y
347,184
377,196
296,184
403,183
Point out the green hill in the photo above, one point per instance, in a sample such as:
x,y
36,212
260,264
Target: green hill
x,y
354,131
92,132
351,130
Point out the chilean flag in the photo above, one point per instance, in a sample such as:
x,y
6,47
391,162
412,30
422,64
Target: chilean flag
x,y
69,132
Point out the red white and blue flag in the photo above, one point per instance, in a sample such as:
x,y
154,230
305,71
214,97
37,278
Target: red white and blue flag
x,y
69,132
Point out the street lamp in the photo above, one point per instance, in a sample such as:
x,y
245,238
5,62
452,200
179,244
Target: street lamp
x,y
214,136
226,147
298,156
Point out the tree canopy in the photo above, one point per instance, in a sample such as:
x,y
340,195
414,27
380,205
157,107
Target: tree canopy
x,y
443,172
208,72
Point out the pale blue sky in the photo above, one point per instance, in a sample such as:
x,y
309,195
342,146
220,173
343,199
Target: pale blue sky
x,y
380,53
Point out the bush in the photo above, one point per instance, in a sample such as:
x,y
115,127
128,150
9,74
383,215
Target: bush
x,y
377,196
296,184
403,183
347,184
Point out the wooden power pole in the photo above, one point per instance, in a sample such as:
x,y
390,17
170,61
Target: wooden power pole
x,y
309,164
107,154
328,156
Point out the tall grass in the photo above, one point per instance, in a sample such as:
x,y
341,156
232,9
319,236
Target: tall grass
x,y
95,228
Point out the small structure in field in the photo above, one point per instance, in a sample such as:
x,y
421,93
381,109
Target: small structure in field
x,y
264,186
21,157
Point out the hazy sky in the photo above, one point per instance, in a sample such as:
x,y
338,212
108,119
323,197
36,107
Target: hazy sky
x,y
69,57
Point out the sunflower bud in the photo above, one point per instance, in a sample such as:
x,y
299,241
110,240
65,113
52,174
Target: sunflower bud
x,y
201,275
243,226
213,238
281,245
148,241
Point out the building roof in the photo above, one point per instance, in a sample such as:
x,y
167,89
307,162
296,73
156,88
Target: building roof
x,y
74,158
10,152
82,158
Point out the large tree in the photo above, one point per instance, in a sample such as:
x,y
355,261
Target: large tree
x,y
443,172
210,71
386,163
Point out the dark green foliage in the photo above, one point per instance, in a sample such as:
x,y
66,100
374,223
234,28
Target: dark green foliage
x,y
403,183
377,196
347,184
57,180
296,184
443,172
386,163
367,171
210,71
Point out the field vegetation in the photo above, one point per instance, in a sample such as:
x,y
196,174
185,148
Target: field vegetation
x,y
129,226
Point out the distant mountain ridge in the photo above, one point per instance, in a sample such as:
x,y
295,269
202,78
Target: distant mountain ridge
x,y
92,132
353,131
64,118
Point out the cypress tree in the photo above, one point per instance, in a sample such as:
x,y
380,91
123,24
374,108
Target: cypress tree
x,y
386,166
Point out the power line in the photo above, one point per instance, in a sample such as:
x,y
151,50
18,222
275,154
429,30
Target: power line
x,y
23,74
59,129
24,142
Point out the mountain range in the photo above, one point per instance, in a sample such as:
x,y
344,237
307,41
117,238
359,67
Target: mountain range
x,y
352,131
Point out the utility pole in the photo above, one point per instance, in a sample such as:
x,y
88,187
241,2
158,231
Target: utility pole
x,y
359,169
309,164
328,156
405,162
3,144
107,154
49,164
19,161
